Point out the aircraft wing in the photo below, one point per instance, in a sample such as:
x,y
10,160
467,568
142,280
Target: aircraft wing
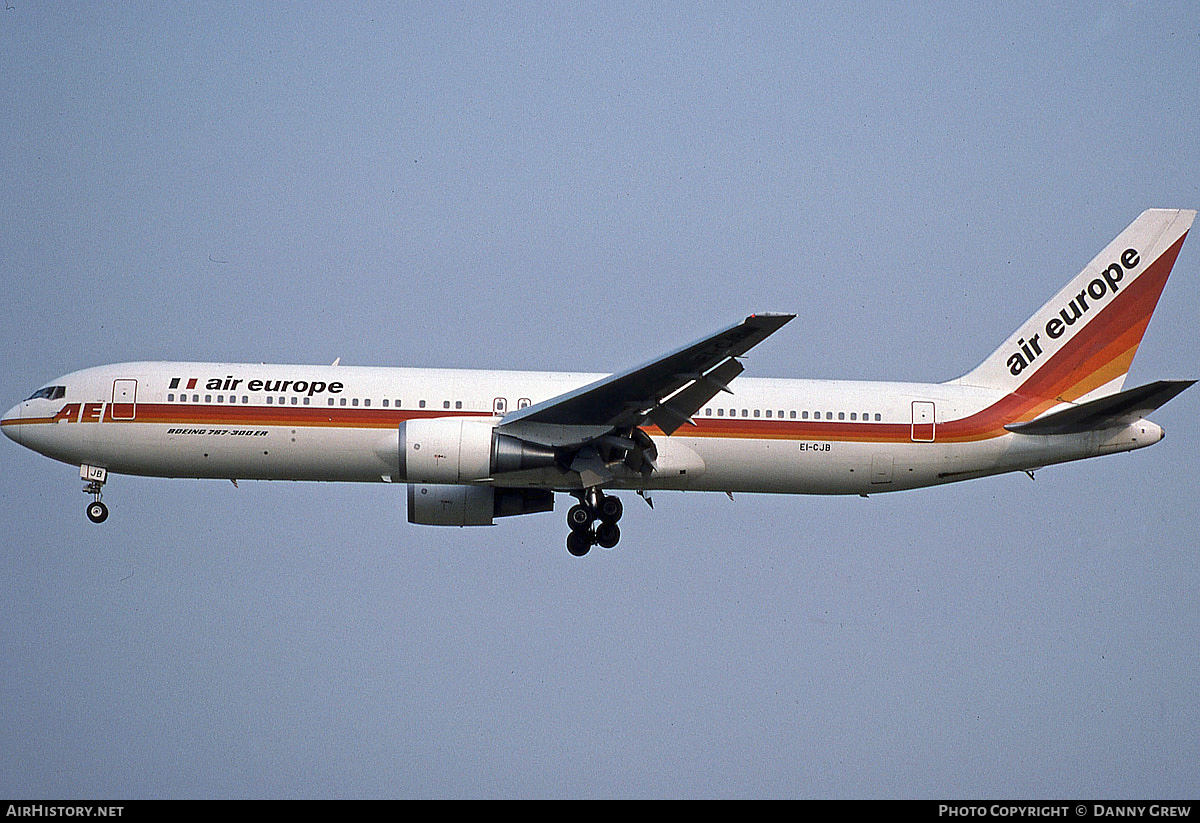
x,y
666,391
1118,409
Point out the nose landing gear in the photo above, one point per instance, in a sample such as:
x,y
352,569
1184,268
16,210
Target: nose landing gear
x,y
96,477
594,507
97,512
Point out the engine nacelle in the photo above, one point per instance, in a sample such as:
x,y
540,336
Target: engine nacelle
x,y
432,504
463,450
441,459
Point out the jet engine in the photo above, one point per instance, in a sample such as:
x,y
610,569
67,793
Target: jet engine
x,y
463,450
442,458
434,504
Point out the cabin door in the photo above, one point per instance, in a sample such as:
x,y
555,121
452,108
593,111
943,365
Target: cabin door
x,y
922,421
124,400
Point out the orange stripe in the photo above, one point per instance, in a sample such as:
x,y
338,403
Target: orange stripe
x,y
21,421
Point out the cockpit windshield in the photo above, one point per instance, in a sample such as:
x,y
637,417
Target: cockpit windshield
x,y
49,393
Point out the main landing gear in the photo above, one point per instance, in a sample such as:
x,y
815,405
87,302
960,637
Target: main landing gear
x,y
593,509
97,512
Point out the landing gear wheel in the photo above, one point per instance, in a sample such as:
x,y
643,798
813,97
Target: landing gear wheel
x,y
579,543
610,509
608,535
579,518
95,476
97,512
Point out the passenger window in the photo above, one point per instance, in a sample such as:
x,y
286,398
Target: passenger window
x,y
367,401
720,412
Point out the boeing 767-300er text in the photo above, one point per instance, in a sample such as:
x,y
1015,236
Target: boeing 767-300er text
x,y
472,446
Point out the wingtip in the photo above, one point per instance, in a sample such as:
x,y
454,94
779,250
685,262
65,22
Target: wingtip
x,y
781,317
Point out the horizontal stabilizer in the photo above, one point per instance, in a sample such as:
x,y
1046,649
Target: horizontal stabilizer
x,y
1109,412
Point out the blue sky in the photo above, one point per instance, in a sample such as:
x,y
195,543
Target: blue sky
x,y
547,186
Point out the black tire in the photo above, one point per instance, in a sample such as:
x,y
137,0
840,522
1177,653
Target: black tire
x,y
608,535
579,517
579,543
610,510
97,512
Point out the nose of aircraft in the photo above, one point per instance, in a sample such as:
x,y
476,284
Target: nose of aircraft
x,y
8,423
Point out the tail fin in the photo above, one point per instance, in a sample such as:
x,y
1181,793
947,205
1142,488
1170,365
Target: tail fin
x,y
1079,345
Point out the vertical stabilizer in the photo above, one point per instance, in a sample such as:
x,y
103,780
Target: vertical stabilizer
x,y
1079,345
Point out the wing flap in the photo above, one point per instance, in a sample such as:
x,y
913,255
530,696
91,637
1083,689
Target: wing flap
x,y
678,409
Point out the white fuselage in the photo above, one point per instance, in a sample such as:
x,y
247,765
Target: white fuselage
x,y
340,423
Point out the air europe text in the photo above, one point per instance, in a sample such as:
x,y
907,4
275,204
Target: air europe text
x,y
231,383
1087,299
